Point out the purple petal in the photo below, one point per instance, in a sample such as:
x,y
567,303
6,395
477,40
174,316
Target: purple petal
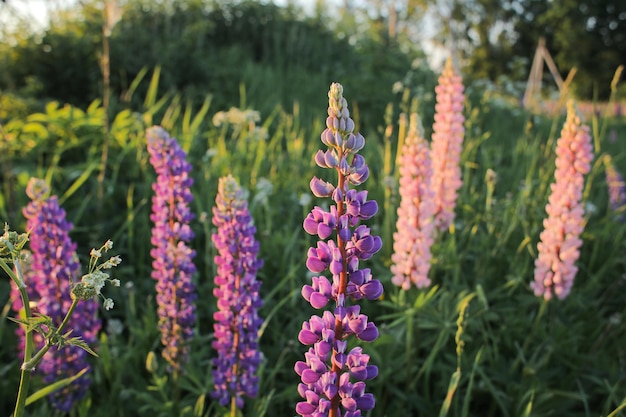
x,y
304,408
318,300
315,265
366,402
372,372
319,159
369,334
324,231
309,376
372,290
349,404
369,209
321,188
310,225
307,337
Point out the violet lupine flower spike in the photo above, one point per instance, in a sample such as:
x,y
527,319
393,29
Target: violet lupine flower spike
x,y
414,237
333,376
237,321
617,190
447,142
172,263
51,271
560,241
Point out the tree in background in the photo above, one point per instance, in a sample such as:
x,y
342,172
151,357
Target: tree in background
x,y
495,38
208,47
498,38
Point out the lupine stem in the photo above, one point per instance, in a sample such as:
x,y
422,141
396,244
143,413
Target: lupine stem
x,y
343,283
32,363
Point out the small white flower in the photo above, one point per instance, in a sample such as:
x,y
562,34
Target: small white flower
x,y
115,282
219,118
305,199
108,304
252,116
115,260
259,133
264,189
108,245
115,327
96,279
590,208
210,153
397,87
95,253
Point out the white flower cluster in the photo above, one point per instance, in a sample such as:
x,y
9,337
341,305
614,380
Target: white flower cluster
x,y
236,116
92,283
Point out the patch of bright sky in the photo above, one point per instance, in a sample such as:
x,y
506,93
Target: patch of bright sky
x,y
33,12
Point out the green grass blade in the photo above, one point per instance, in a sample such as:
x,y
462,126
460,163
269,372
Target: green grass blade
x,y
151,95
78,183
454,383
54,387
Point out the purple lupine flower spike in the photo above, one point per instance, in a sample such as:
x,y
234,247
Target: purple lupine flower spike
x,y
617,190
414,237
52,269
560,242
172,263
332,377
237,321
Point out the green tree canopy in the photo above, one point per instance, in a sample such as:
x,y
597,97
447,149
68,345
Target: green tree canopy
x,y
496,34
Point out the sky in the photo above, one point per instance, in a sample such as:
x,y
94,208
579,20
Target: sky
x,y
37,11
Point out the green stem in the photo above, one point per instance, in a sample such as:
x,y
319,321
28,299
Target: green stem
x,y
31,364
540,313
18,279
233,407
618,409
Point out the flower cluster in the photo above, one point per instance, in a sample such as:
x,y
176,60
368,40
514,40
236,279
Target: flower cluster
x,y
617,190
172,263
414,237
237,321
52,268
91,284
560,241
332,376
447,141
